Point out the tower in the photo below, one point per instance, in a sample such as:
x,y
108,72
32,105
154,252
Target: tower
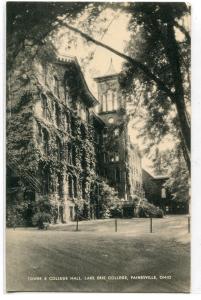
x,y
112,111
121,166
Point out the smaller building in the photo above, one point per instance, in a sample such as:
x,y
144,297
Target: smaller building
x,y
157,194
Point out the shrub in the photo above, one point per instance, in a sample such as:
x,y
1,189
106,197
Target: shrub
x,y
40,218
147,210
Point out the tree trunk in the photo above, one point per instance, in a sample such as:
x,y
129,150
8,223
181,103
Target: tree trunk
x,y
178,98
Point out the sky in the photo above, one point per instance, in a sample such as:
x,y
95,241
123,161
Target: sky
x,y
116,36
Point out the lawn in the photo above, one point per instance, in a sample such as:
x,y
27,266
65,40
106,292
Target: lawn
x,y
36,259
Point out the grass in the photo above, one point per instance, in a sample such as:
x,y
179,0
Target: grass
x,y
97,250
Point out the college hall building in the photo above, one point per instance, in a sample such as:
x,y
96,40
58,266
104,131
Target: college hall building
x,y
62,141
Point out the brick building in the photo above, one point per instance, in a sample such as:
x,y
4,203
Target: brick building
x,y
57,145
50,145
121,165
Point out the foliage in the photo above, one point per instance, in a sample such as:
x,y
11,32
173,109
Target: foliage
x,y
44,212
40,218
35,22
173,163
109,203
160,40
147,210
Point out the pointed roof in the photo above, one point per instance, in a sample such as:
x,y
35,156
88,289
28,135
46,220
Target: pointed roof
x,y
110,72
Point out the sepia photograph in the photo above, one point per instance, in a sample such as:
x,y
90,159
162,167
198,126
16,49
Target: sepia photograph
x,y
98,142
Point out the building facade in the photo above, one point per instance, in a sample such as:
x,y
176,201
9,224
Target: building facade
x,y
50,141
57,146
121,165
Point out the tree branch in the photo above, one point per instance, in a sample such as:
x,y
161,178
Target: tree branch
x,y
134,62
184,31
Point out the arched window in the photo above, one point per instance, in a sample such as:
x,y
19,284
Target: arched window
x,y
116,132
104,103
60,185
117,174
70,186
83,131
74,186
83,189
46,181
59,149
44,106
115,103
74,155
109,101
58,115
70,154
45,141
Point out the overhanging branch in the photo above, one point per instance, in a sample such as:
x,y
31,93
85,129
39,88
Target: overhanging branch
x,y
134,62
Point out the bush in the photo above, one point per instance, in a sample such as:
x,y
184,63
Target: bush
x,y
40,218
147,210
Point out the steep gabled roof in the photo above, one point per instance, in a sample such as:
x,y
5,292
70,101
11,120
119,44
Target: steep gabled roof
x,y
92,101
111,72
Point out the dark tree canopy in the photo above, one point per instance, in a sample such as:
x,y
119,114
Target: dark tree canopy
x,y
154,55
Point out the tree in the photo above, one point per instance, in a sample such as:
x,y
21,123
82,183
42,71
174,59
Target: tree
x,y
173,163
109,204
161,63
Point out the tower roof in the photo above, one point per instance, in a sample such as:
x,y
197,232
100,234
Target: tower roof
x,y
110,72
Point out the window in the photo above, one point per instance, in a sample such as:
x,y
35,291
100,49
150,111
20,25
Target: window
x,y
109,101
117,175
116,157
74,155
83,132
46,181
67,90
74,186
58,115
60,185
111,120
45,141
104,157
59,149
70,186
112,158
115,103
44,106
104,103
56,86
70,154
116,132
83,189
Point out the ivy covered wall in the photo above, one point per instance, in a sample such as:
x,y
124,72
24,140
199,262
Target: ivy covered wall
x,y
50,141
